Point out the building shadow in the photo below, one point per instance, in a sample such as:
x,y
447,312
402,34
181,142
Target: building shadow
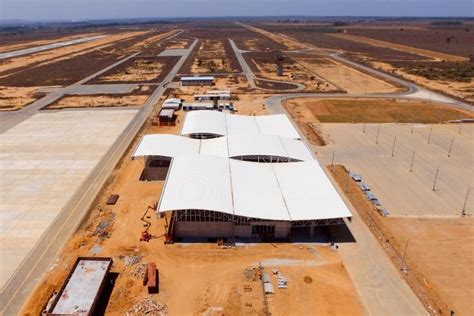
x,y
104,298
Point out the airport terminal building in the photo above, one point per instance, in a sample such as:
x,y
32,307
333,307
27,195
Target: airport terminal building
x,y
234,184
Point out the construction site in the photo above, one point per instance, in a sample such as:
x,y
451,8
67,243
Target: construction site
x,y
235,167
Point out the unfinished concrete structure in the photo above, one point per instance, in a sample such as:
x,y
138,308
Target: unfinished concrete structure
x,y
81,292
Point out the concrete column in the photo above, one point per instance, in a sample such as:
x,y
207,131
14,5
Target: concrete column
x,y
311,231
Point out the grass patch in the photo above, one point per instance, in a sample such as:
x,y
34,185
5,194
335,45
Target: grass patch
x,y
382,111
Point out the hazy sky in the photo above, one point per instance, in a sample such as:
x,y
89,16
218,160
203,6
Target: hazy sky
x,y
93,9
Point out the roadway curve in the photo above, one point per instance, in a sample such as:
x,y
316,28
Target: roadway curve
x,y
251,76
413,91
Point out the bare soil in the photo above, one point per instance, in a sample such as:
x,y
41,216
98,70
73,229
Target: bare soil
x,y
433,38
264,65
97,101
15,98
443,249
403,48
211,58
416,273
72,66
139,69
351,80
306,121
461,90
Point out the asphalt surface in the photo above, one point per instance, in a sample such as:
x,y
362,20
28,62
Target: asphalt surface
x,y
38,49
29,274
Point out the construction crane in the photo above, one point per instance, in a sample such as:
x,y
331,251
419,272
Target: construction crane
x,y
146,236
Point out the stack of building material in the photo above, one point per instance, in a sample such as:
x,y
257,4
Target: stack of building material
x,y
267,285
151,278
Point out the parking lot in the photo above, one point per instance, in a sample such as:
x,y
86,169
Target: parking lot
x,y
401,191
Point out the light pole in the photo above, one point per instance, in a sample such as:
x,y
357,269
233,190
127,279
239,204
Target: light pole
x,y
463,213
332,160
429,135
435,179
393,146
377,137
451,147
404,255
412,160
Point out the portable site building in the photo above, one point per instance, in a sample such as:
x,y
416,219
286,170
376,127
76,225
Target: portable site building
x,y
197,81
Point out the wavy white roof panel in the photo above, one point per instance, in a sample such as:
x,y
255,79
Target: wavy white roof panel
x,y
251,145
241,124
296,149
166,145
222,124
293,191
214,147
276,125
255,192
232,146
308,192
212,122
198,182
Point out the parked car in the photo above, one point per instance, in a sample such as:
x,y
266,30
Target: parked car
x,y
356,177
382,211
364,187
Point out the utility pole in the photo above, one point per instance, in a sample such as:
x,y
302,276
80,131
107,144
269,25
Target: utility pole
x,y
451,147
404,255
332,160
412,160
429,135
463,213
435,179
377,137
393,146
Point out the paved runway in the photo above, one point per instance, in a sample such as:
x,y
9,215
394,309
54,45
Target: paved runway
x,y
41,48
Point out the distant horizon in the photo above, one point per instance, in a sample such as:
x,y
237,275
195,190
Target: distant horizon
x,y
83,10
468,18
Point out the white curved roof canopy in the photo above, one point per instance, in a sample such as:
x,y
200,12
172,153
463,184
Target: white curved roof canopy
x,y
232,146
225,124
295,191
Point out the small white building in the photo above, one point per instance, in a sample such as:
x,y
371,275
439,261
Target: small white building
x,y
172,103
206,97
197,81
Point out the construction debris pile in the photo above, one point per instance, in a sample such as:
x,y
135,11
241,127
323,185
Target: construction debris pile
x,y
103,228
282,281
146,307
252,274
138,268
